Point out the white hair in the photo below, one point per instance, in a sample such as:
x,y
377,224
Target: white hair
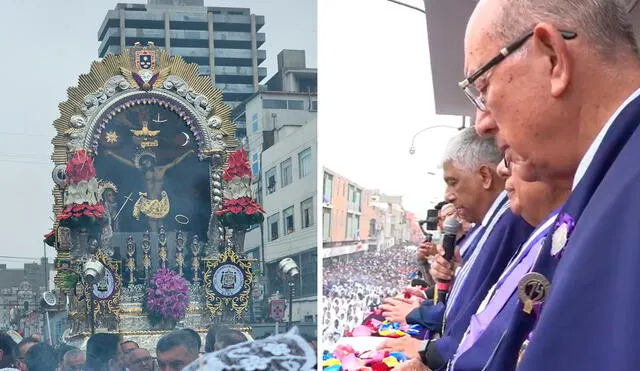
x,y
73,353
604,23
468,151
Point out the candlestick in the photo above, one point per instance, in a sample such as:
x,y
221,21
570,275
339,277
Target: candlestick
x,y
195,262
180,252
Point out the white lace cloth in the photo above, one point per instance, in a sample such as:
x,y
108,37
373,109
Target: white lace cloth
x,y
288,352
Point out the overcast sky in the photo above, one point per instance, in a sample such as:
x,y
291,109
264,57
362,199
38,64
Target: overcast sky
x,y
376,93
375,83
45,45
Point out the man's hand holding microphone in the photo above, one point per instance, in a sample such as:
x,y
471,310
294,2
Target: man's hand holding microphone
x,y
448,258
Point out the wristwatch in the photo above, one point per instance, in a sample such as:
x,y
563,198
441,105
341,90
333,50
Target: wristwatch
x,y
423,352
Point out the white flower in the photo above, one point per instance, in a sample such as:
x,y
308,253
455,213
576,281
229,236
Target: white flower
x,y
238,187
76,193
254,363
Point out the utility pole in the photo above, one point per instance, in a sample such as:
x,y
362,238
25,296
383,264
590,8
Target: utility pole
x,y
46,267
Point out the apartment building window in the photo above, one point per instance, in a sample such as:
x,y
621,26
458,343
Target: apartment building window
x,y
314,106
304,161
327,188
254,122
308,85
350,197
274,104
272,222
353,227
353,198
356,227
326,224
357,193
288,220
308,273
372,228
255,163
295,104
306,207
286,172
270,176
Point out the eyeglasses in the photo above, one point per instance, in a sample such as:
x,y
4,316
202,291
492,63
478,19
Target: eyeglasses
x,y
146,360
473,93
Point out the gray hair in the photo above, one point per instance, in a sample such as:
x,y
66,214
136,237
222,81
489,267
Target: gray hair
x,y
467,150
603,22
73,353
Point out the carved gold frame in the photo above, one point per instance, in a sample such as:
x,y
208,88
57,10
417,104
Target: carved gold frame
x,y
111,305
238,303
111,80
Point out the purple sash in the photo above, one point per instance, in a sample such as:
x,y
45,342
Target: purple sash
x,y
505,287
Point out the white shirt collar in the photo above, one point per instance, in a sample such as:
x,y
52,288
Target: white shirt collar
x,y
591,152
493,208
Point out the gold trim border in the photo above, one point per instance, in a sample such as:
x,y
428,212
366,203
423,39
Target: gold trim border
x,y
110,306
158,332
238,303
121,65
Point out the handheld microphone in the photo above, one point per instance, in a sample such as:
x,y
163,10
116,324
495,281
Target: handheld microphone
x,y
450,230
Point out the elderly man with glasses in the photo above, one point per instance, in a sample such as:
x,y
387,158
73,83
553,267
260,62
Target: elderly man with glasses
x,y
140,359
563,100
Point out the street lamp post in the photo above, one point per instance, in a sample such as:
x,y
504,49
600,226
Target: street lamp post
x,y
290,271
411,6
291,286
412,149
92,272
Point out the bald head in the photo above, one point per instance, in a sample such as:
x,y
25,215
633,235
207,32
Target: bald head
x,y
604,23
138,353
139,359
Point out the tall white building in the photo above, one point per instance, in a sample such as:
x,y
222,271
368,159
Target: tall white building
x,y
282,148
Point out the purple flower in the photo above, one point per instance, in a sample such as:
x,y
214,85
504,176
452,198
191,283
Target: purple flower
x,y
168,295
566,219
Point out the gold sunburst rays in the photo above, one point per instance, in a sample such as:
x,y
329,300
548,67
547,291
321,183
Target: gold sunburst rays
x,y
93,83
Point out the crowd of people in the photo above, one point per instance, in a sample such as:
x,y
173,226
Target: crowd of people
x,y
109,352
358,283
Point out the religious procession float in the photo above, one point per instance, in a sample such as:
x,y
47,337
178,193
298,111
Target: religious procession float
x,y
152,198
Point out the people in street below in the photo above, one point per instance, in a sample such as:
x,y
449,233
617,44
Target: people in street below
x,y
73,360
176,350
139,359
104,353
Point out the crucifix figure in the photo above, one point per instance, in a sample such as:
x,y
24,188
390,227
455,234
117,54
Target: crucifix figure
x,y
154,176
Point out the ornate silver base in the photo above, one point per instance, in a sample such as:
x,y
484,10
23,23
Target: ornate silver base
x,y
134,324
